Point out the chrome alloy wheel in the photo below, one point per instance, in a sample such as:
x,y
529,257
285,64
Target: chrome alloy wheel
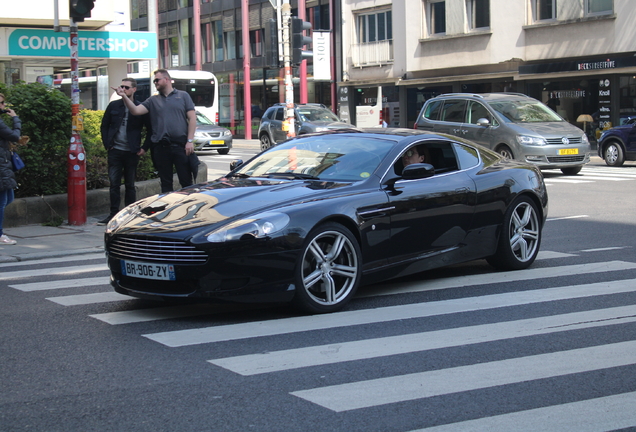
x,y
524,232
329,270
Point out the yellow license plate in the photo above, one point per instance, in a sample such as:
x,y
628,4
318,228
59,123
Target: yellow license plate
x,y
217,142
568,151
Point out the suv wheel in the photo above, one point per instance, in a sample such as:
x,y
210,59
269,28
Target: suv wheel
x,y
266,142
505,152
613,154
572,170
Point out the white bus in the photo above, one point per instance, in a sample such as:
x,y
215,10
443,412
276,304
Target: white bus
x,y
201,85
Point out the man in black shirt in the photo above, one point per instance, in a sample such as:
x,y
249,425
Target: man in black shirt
x,y
121,134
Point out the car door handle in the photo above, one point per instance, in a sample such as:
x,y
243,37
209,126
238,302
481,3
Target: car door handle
x,y
462,190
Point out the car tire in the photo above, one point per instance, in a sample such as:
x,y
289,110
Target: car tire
x,y
505,151
328,270
613,154
520,236
266,142
223,151
572,170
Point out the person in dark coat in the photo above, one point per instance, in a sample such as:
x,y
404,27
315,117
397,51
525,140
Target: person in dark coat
x,y
7,176
121,134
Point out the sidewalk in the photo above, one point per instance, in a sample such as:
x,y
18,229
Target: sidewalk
x,y
38,241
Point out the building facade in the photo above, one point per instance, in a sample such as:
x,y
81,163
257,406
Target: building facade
x,y
577,56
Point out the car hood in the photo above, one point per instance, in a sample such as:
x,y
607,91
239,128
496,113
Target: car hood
x,y
210,128
215,203
548,129
328,125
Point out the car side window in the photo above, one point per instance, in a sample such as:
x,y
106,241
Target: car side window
x,y
475,112
433,109
466,156
453,111
280,114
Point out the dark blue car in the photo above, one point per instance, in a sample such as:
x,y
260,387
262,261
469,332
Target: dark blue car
x,y
618,144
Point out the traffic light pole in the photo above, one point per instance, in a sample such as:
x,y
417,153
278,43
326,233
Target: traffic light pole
x,y
76,190
289,83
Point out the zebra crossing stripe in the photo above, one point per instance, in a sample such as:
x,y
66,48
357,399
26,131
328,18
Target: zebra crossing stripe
x,y
161,313
491,278
61,271
614,412
203,335
67,283
30,263
382,391
387,346
84,299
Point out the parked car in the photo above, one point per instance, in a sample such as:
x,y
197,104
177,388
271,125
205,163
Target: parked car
x,y
210,136
512,124
311,219
618,144
308,118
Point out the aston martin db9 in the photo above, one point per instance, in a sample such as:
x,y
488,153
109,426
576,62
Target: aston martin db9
x,y
311,219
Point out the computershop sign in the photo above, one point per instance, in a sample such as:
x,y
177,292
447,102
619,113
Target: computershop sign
x,y
90,44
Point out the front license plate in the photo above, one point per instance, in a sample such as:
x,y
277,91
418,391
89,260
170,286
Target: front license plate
x,y
148,271
568,151
217,142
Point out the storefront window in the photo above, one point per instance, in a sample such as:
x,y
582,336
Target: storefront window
x,y
417,96
570,99
627,104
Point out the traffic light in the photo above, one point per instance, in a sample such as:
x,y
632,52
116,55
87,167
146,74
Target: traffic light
x,y
271,44
299,40
80,9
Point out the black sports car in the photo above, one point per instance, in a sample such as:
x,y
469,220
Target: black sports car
x,y
311,219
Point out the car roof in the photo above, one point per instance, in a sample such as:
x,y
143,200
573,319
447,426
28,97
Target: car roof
x,y
486,96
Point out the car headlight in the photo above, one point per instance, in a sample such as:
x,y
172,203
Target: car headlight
x,y
227,133
259,226
584,139
530,140
200,135
123,216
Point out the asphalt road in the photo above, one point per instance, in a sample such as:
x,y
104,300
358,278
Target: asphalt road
x,y
456,349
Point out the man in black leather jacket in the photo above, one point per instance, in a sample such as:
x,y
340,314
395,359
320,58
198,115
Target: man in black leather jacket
x,y
121,134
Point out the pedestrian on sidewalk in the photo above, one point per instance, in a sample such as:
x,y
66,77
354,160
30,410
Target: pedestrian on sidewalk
x,y
7,176
121,135
174,122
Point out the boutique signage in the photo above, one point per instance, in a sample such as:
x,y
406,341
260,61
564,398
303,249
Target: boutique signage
x,y
578,66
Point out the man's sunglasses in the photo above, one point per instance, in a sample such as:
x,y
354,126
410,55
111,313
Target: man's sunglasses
x,y
409,153
125,87
156,80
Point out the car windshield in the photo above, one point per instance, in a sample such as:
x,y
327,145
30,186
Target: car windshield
x,y
203,120
327,157
524,112
316,114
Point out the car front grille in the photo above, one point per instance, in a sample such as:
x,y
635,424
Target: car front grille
x,y
559,141
566,159
156,250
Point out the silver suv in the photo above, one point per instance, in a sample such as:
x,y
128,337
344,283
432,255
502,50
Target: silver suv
x,y
514,125
308,118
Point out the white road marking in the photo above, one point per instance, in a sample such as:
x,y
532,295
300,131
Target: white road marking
x,y
275,361
363,394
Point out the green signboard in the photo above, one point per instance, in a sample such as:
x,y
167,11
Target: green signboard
x,y
90,44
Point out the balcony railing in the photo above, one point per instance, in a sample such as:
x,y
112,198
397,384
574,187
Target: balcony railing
x,y
372,53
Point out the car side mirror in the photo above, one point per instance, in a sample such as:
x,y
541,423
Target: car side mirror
x,y
235,164
418,171
484,122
